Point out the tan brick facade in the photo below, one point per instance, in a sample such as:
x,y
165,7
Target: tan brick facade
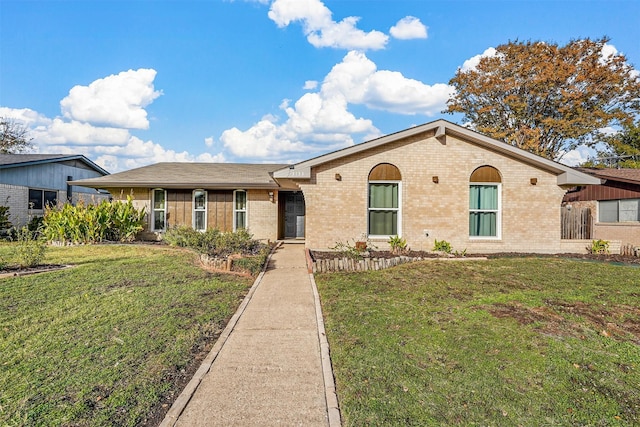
x,y
337,209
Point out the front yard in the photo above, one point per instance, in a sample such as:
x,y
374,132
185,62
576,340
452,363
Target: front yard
x,y
112,340
522,342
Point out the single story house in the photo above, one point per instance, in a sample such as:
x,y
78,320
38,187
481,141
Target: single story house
x,y
28,182
435,181
610,210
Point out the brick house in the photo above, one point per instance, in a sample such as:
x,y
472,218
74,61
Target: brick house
x,y
613,206
28,182
434,181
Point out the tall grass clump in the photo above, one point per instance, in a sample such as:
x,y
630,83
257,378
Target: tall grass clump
x,y
30,249
93,223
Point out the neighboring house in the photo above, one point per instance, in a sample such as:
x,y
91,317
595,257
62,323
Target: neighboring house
x,y
434,181
611,209
28,182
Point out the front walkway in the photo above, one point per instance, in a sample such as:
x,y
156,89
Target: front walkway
x,y
267,367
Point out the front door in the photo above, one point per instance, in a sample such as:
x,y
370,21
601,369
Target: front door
x,y
294,215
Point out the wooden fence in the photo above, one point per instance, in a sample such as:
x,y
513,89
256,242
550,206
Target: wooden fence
x,y
576,223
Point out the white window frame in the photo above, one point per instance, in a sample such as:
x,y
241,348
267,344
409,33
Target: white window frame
x,y
154,210
196,209
245,210
398,209
498,211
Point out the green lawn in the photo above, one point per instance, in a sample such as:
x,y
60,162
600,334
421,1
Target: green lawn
x,y
503,342
106,342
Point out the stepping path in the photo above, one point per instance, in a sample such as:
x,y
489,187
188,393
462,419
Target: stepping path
x,y
270,367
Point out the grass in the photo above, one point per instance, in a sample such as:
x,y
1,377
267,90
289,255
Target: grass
x,y
106,342
508,342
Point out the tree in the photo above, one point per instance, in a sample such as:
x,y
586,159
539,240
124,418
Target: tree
x,y
622,149
14,137
545,98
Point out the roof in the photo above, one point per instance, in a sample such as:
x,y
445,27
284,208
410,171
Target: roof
x,y
567,175
631,176
21,160
190,175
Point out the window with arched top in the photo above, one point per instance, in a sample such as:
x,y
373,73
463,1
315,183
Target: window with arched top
x,y
384,207
485,203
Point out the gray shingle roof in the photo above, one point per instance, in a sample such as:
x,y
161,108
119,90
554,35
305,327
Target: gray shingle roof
x,y
624,175
190,175
18,160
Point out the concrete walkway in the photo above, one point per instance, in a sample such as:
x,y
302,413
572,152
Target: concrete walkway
x,y
270,367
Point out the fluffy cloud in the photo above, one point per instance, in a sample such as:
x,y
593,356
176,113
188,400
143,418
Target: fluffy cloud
x,y
116,100
472,63
408,28
320,121
320,28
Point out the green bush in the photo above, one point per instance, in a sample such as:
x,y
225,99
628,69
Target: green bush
x,y
252,264
213,242
442,246
115,221
398,244
30,249
5,224
599,246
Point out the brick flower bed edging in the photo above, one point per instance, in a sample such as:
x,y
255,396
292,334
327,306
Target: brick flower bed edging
x,y
367,263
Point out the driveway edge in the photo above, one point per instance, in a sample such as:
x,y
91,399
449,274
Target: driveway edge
x,y
183,399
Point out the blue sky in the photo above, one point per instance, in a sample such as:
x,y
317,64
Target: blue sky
x,y
129,83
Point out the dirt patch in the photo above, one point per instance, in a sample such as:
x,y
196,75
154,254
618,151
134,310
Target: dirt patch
x,y
554,318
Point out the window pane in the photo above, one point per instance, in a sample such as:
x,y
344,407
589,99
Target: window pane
x,y
158,217
241,200
199,221
608,211
241,220
158,199
50,198
628,210
483,197
383,223
35,199
482,224
383,195
199,200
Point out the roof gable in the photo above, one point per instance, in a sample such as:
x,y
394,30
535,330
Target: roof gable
x,y
566,175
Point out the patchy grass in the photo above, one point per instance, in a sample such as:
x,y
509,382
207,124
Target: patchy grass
x,y
533,341
110,341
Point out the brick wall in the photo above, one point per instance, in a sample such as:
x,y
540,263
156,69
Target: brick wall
x,y
337,209
262,214
17,198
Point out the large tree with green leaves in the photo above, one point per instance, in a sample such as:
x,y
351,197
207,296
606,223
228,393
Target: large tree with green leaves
x,y
545,98
14,136
622,149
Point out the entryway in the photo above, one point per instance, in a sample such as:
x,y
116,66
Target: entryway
x,y
292,214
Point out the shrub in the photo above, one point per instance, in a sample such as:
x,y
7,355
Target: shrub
x,y
30,249
117,220
5,224
398,244
213,242
599,246
442,246
252,264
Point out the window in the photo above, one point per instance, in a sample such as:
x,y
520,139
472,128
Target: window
x,y
200,210
159,217
624,210
239,210
484,203
384,214
38,199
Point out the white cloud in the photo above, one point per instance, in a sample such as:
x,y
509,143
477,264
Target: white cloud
x,y
310,85
321,121
472,63
408,28
208,141
320,28
577,156
116,100
359,80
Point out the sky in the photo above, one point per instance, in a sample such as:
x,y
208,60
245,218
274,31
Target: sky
x,y
130,83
